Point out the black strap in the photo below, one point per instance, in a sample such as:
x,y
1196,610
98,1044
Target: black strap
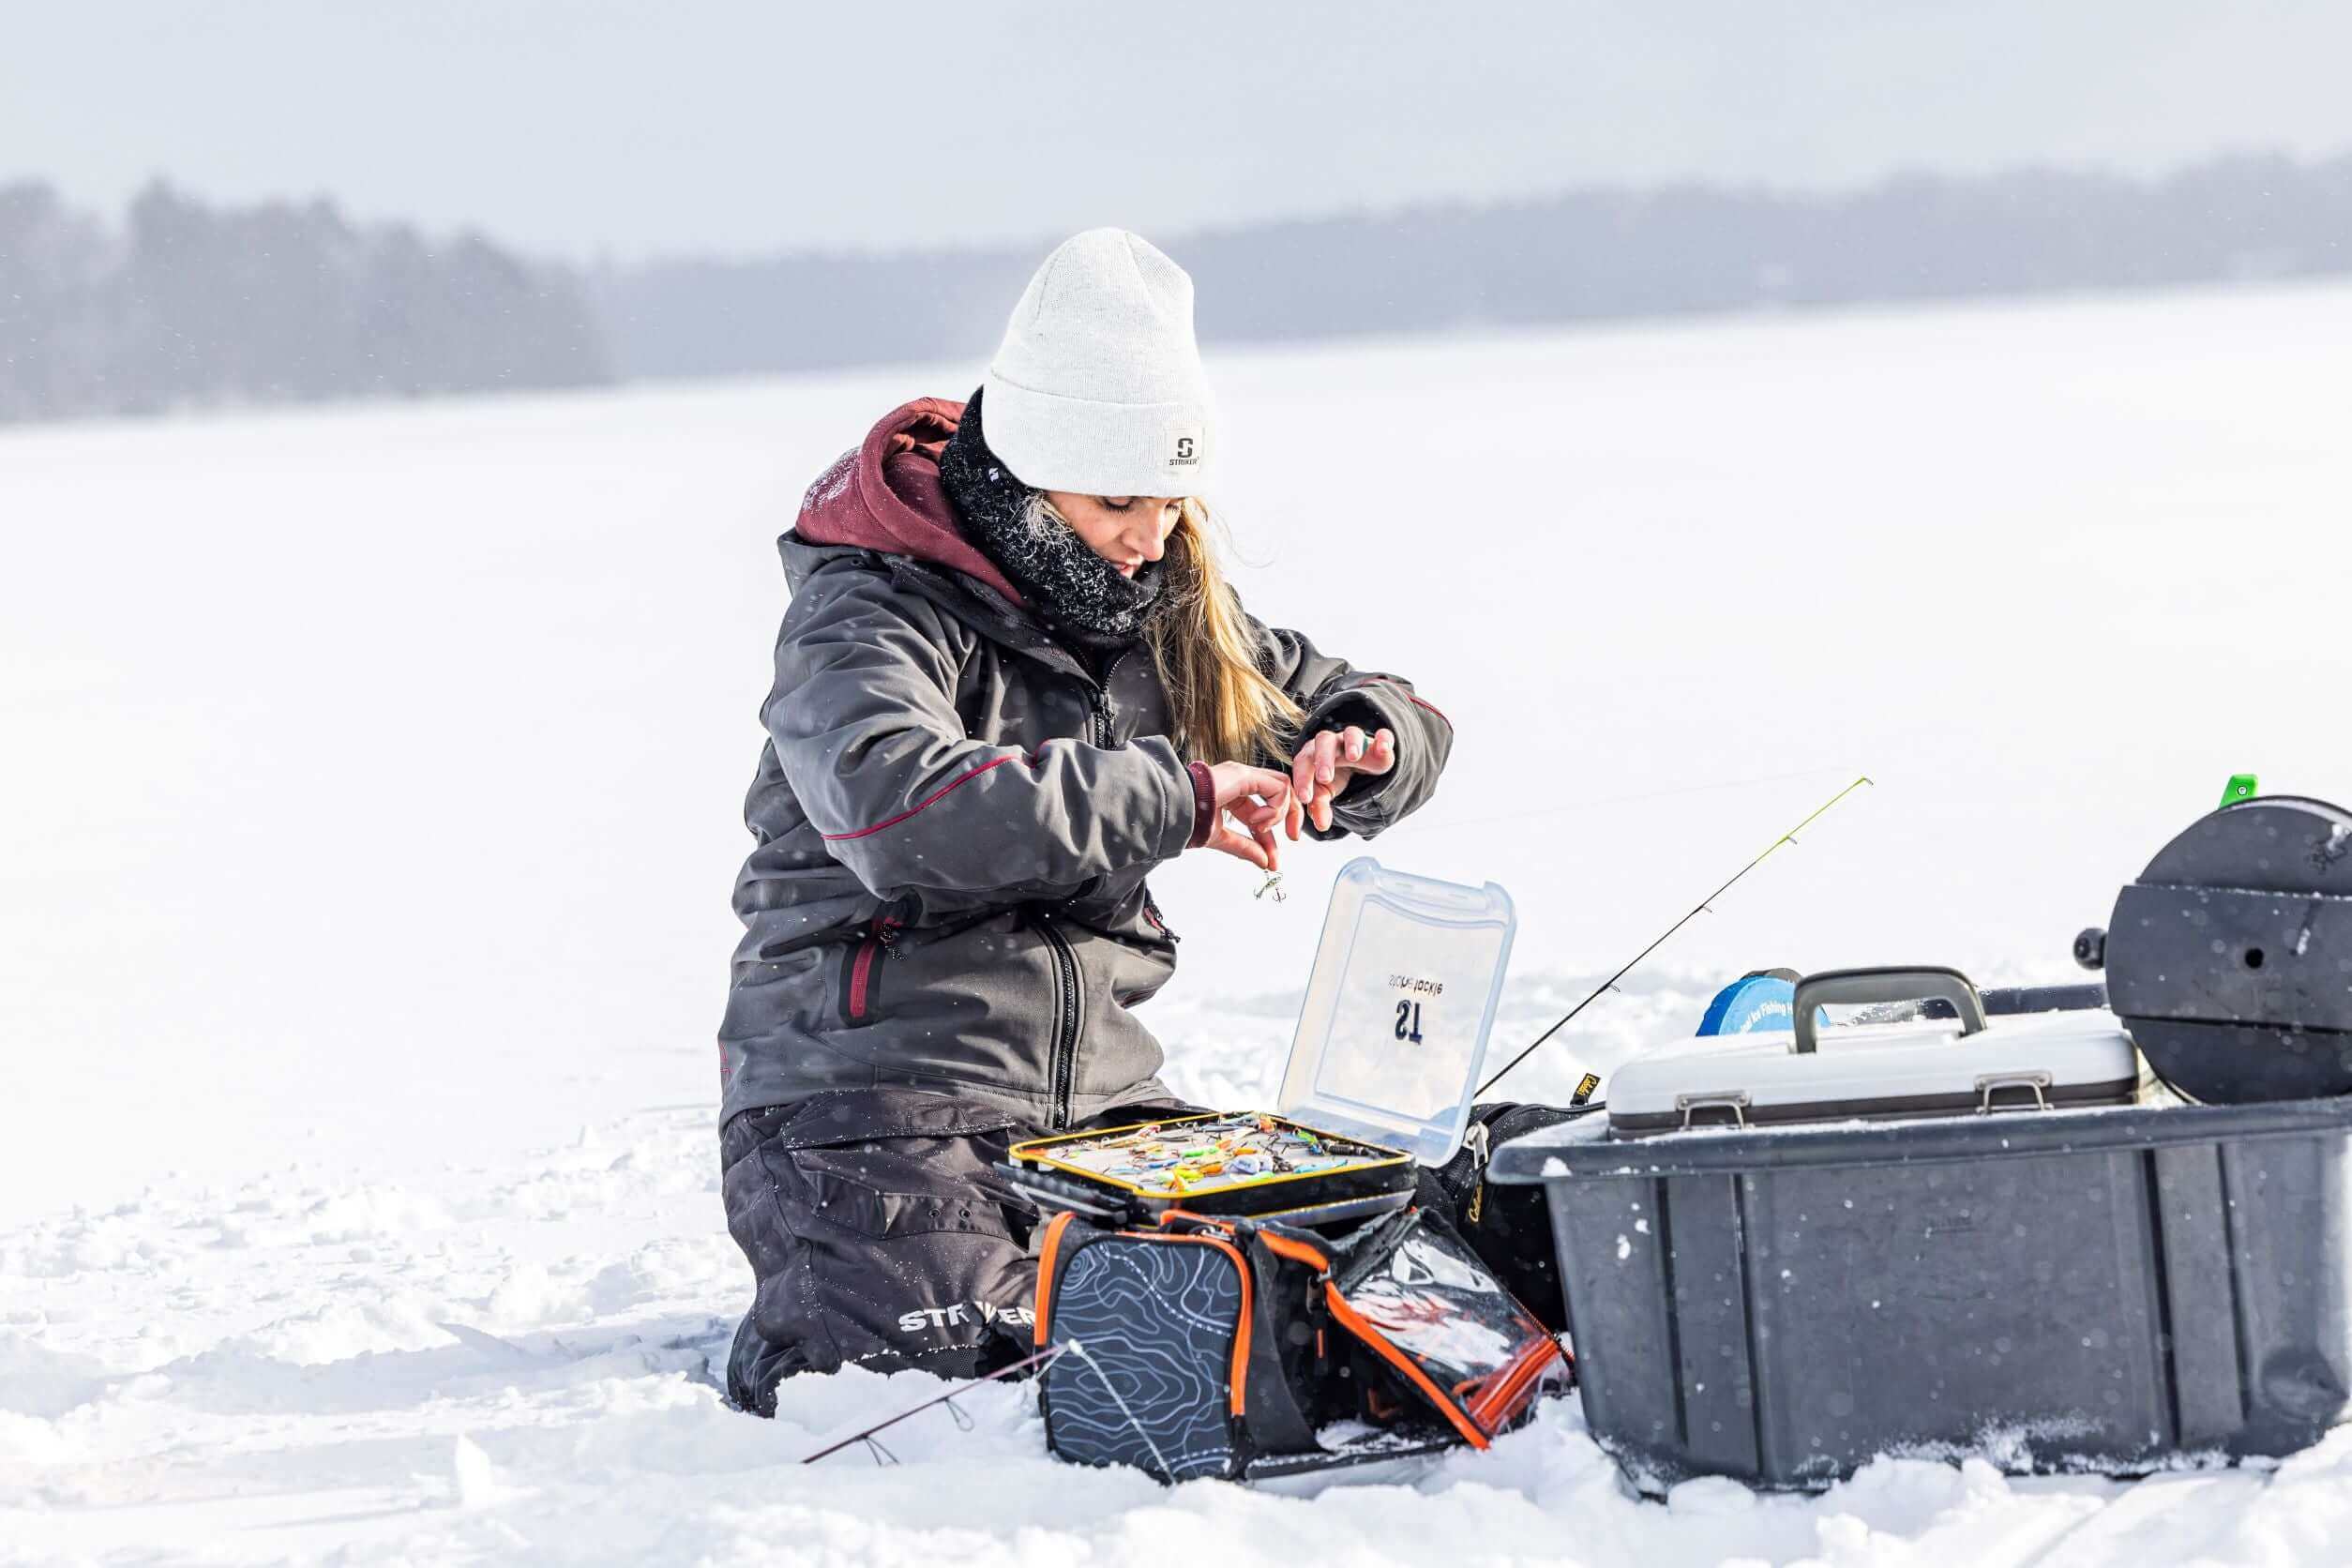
x,y
1275,1420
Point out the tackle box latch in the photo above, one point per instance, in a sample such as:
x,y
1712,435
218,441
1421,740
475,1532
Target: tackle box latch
x,y
1991,1083
1733,1100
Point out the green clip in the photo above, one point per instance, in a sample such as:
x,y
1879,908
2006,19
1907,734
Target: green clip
x,y
2241,787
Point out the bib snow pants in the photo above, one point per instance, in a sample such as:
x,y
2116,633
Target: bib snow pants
x,y
880,1235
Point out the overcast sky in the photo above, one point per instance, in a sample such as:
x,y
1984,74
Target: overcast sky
x,y
636,127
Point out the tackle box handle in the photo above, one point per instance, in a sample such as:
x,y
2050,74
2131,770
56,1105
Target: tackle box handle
x,y
1884,984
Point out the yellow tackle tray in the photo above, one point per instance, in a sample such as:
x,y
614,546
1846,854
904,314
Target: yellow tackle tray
x,y
1362,1169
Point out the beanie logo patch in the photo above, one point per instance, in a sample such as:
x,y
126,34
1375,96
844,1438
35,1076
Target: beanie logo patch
x,y
1183,446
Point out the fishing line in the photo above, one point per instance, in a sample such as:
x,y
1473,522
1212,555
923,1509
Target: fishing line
x,y
866,1435
1444,826
1087,1356
1696,910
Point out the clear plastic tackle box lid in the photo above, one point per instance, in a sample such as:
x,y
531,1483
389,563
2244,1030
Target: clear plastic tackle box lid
x,y
1402,998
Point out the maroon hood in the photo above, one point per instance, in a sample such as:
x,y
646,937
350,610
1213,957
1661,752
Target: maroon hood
x,y
886,495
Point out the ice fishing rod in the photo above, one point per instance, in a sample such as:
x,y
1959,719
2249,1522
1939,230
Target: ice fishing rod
x,y
867,1435
1702,906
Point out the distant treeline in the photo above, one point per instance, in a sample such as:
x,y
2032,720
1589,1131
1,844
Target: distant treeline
x,y
187,305
1598,253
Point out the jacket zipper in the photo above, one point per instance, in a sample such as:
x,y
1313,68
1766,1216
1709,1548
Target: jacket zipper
x,y
1063,1061
879,934
1152,912
1104,735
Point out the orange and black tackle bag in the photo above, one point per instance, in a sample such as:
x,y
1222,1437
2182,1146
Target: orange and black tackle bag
x,y
1242,1350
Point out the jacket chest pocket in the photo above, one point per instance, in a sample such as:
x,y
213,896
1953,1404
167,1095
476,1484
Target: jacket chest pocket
x,y
859,994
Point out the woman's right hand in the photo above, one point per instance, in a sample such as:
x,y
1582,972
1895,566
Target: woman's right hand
x,y
1259,800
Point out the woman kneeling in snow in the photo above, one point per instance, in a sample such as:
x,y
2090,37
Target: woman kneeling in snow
x,y
1011,681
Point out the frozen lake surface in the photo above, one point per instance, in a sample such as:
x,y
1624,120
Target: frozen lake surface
x,y
372,802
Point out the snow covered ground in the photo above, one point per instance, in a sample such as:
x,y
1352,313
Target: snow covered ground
x,y
369,807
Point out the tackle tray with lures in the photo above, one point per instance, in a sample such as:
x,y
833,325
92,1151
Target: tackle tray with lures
x,y
1224,1164
1379,1078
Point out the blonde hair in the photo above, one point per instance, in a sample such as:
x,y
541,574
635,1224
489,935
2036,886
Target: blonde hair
x,y
1225,708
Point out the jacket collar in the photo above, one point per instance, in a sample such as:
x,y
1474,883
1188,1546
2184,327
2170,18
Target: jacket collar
x,y
972,601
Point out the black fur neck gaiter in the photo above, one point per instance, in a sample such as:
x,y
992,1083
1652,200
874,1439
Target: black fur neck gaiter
x,y
1075,590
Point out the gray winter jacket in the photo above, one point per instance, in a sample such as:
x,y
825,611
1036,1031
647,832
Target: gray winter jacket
x,y
954,816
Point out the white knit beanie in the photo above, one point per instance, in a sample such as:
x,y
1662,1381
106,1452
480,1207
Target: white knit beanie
x,y
1097,387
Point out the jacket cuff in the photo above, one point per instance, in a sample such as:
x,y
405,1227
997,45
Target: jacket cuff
x,y
1361,808
1204,803
1365,714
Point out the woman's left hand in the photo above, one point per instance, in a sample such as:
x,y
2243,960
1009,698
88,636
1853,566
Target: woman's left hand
x,y
1325,765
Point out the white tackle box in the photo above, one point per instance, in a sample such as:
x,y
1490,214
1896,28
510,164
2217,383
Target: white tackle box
x,y
1924,1067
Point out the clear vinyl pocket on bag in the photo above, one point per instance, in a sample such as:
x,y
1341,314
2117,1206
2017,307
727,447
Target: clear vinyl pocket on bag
x,y
1417,1296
